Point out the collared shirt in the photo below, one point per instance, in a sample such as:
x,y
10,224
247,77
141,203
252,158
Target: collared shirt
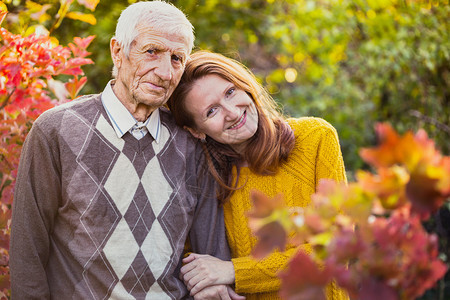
x,y
123,120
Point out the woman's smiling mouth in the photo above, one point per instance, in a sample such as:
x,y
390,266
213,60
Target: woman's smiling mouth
x,y
240,122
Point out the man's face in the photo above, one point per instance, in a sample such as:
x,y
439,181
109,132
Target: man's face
x,y
152,70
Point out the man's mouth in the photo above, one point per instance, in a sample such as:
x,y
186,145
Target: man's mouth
x,y
240,122
155,86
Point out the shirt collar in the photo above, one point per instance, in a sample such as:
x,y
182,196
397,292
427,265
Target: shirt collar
x,y
122,119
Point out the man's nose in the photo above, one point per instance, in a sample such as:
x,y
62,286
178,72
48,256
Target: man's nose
x,y
164,68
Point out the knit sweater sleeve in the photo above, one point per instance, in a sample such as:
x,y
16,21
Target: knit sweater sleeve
x,y
317,144
36,198
329,163
261,276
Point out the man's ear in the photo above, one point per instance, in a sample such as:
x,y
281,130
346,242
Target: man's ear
x,y
116,52
195,133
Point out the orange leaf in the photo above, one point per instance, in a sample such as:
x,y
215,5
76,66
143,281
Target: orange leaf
x,y
393,149
91,4
388,185
4,282
74,86
88,18
3,11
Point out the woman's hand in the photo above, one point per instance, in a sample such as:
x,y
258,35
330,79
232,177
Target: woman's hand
x,y
218,292
201,271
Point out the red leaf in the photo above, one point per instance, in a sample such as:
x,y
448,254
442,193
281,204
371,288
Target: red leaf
x,y
4,241
270,236
315,223
79,61
263,206
83,43
7,198
347,245
423,193
303,279
372,289
73,71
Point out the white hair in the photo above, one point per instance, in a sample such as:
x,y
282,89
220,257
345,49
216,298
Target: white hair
x,y
159,15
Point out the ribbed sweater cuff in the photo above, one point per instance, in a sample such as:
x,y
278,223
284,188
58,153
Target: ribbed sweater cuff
x,y
249,279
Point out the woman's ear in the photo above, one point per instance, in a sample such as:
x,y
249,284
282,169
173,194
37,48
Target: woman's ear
x,y
195,133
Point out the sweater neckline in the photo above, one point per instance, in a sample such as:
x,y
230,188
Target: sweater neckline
x,y
137,145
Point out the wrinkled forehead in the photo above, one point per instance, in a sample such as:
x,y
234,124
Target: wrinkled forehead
x,y
147,32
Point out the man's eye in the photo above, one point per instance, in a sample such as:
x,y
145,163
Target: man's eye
x,y
211,111
177,58
151,51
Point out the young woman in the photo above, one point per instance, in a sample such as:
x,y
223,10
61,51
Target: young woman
x,y
249,145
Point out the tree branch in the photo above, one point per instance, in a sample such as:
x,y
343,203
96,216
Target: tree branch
x,y
430,120
5,102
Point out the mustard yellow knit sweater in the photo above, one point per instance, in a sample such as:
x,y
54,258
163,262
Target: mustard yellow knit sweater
x,y
316,155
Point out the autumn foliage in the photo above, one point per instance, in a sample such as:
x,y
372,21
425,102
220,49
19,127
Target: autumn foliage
x,y
36,73
368,235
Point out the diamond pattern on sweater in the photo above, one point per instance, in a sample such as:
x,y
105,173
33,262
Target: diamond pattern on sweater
x,y
141,278
98,208
100,211
156,292
109,133
87,156
132,212
122,194
119,292
139,233
164,137
139,216
105,213
156,186
98,265
121,241
157,253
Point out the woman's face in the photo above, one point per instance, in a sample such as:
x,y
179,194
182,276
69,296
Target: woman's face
x,y
221,111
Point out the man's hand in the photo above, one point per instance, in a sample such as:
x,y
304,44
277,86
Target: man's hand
x,y
201,271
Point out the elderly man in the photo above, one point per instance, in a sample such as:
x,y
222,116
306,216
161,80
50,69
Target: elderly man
x,y
108,187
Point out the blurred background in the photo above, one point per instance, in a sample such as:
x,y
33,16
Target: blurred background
x,y
351,62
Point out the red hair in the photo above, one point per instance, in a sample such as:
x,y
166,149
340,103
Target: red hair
x,y
269,147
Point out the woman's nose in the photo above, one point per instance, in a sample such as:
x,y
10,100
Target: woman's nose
x,y
232,112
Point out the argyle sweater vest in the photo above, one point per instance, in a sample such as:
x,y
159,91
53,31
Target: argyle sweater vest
x,y
102,217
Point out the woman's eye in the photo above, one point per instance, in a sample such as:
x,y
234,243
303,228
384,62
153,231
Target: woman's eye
x,y
211,111
230,91
151,51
